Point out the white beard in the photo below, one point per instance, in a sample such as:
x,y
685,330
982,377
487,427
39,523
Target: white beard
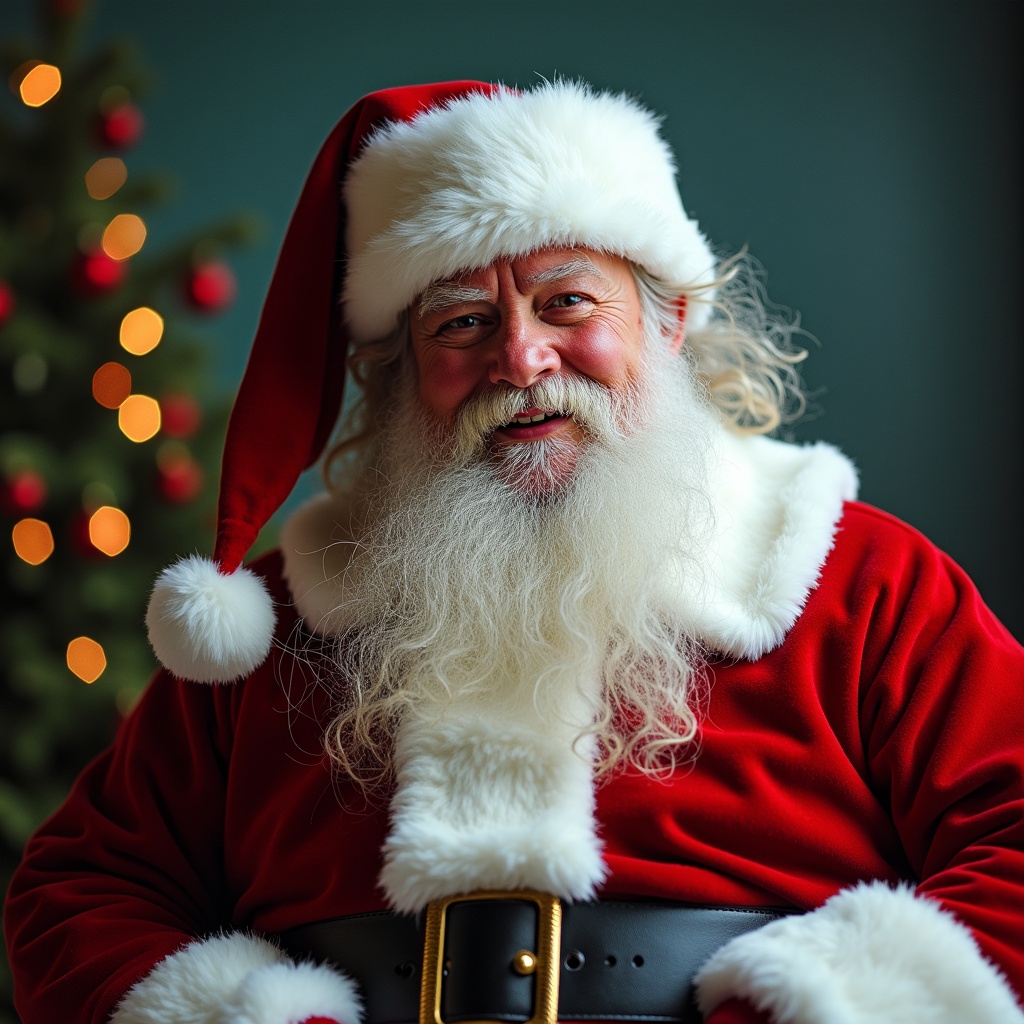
x,y
526,578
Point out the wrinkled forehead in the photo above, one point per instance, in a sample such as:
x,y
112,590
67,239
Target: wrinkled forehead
x,y
550,265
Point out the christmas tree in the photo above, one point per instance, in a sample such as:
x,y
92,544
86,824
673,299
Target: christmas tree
x,y
108,435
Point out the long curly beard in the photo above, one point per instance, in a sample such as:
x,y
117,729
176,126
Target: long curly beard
x,y
487,576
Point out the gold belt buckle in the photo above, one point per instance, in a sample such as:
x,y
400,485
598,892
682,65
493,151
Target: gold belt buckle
x,y
543,963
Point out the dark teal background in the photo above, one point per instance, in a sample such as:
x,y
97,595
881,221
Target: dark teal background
x,y
867,152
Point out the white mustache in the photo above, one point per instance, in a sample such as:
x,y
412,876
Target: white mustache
x,y
588,403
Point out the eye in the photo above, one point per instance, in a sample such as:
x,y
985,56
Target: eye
x,y
463,323
568,308
463,330
567,301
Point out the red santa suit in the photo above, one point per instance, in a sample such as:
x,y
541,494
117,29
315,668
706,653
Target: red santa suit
x,y
860,760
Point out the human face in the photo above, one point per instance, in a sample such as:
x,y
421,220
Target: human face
x,y
556,311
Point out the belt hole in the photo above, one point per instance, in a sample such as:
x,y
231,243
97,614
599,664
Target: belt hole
x,y
574,960
610,961
638,961
405,970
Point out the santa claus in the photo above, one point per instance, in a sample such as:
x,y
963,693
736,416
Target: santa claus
x,y
575,696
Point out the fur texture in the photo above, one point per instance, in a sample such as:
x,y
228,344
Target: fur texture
x,y
238,979
487,807
504,175
208,627
923,966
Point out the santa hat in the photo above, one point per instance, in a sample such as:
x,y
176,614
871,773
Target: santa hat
x,y
413,185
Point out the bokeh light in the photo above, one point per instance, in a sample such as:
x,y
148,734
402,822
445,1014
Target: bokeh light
x,y
33,541
30,371
105,177
139,417
109,530
86,659
111,385
38,84
124,236
141,331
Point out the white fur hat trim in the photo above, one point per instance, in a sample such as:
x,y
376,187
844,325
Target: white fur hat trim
x,y
208,627
506,174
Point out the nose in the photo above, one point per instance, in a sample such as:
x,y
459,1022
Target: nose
x,y
524,352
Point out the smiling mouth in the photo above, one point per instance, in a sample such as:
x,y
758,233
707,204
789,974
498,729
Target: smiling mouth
x,y
532,418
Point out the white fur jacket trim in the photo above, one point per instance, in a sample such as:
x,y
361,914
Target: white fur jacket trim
x,y
238,979
869,955
491,803
776,507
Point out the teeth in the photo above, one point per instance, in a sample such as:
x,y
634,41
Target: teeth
x,y
523,421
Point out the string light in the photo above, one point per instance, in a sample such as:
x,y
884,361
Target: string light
x,y
109,530
111,385
124,236
105,177
139,417
33,541
86,659
37,83
141,331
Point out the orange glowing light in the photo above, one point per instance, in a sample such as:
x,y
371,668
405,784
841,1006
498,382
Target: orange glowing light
x,y
105,177
111,385
39,84
86,659
139,417
141,331
124,236
109,530
33,541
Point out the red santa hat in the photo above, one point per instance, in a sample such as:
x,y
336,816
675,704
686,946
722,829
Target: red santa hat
x,y
413,185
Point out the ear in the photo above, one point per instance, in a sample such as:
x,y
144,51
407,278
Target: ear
x,y
677,340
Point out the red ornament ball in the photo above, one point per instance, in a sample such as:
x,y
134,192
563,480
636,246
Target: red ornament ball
x,y
120,127
6,302
24,493
96,273
210,287
179,480
180,415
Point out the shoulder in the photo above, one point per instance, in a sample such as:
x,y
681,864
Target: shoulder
x,y
887,584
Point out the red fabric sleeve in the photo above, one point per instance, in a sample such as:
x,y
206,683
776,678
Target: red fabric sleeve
x,y
941,716
119,877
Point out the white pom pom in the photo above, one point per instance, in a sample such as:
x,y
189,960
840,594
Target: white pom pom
x,y
207,627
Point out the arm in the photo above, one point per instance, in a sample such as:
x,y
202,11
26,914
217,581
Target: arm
x,y
940,686
119,890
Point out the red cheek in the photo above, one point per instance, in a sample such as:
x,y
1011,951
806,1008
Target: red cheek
x,y
603,356
446,380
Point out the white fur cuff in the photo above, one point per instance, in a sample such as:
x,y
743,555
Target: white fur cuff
x,y
237,979
870,955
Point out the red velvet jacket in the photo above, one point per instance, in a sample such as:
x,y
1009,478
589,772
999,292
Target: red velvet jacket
x,y
881,741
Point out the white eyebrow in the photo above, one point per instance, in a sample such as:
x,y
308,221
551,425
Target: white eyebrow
x,y
576,266
445,294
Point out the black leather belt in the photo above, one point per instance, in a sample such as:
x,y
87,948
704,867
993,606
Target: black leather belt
x,y
516,956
